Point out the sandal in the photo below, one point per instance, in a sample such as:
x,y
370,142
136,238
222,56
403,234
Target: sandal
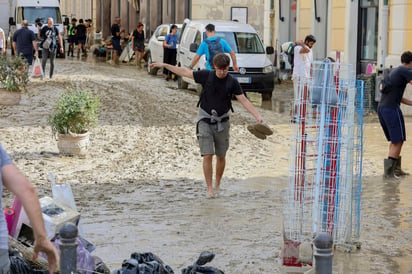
x,y
255,132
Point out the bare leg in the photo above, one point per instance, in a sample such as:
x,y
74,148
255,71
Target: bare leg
x,y
220,168
395,150
208,173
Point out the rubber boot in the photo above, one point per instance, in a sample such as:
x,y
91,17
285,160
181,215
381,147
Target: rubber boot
x,y
389,168
398,169
138,61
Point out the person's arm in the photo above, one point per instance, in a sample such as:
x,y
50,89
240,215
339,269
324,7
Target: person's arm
x,y
195,60
35,48
181,71
17,183
249,107
233,55
60,43
406,101
14,47
304,49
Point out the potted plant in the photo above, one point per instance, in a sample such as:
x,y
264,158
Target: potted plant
x,y
14,77
74,114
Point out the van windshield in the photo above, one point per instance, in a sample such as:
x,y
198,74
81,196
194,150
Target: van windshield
x,y
242,42
31,14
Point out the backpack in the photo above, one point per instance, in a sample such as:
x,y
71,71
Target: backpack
x,y
209,84
214,47
50,41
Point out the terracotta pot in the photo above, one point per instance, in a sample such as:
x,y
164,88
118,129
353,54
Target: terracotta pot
x,y
73,144
9,98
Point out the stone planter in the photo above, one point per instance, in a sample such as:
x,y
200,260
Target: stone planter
x,y
73,144
9,98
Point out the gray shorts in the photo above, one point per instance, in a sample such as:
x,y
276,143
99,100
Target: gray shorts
x,y
4,261
212,142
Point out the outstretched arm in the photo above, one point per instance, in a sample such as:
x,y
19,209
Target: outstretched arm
x,y
234,61
181,71
249,107
17,183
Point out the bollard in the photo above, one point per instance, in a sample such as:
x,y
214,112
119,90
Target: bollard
x,y
322,246
68,248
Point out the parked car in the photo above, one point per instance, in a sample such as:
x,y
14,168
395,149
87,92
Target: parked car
x,y
256,72
155,46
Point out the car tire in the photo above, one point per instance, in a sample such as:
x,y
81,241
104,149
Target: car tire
x,y
151,71
181,84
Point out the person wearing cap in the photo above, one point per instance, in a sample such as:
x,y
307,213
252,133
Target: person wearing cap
x,y
71,32
24,42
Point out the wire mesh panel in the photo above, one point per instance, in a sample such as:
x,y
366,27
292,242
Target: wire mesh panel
x,y
326,159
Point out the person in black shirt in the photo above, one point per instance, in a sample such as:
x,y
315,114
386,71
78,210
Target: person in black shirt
x,y
50,32
115,29
138,43
390,114
213,120
81,32
24,41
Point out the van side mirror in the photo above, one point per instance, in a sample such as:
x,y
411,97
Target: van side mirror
x,y
193,47
66,21
11,21
270,50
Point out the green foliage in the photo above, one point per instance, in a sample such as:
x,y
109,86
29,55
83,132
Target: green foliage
x,y
76,111
14,73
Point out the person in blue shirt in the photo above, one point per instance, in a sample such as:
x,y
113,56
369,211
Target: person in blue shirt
x,y
14,180
204,49
169,53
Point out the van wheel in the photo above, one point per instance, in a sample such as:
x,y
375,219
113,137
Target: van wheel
x,y
181,84
267,96
151,71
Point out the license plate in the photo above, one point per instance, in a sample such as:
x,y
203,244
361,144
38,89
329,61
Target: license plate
x,y
243,80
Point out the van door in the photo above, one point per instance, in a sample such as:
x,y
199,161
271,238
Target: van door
x,y
190,35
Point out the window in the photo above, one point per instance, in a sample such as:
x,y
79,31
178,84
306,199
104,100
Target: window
x,y
367,34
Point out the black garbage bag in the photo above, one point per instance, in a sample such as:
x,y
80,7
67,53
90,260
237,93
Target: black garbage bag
x,y
197,268
18,265
144,263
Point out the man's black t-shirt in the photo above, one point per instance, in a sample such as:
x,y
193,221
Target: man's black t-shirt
x,y
81,31
115,29
218,95
24,38
399,77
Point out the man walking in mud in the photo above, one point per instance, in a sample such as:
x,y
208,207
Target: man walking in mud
x,y
213,124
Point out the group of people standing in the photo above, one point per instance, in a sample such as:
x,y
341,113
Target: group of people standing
x,y
79,35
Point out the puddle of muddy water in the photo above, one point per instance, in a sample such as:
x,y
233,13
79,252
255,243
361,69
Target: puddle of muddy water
x,y
243,226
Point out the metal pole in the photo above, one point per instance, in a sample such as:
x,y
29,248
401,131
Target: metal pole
x,y
323,254
68,248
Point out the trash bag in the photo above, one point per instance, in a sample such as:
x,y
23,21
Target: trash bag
x,y
18,265
37,70
144,263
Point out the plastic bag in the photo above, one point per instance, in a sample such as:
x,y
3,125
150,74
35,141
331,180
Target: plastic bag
x,y
37,70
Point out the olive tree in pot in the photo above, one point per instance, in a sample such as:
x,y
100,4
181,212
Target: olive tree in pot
x,y
14,77
74,114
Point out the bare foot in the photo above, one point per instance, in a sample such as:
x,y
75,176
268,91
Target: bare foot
x,y
210,194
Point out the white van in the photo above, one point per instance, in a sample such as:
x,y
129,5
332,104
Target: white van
x,y
256,72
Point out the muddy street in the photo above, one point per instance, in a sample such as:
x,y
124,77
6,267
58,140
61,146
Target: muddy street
x,y
140,188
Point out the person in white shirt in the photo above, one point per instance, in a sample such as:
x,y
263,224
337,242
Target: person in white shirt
x,y
303,57
2,42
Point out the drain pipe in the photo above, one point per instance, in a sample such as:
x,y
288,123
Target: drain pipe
x,y
384,33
